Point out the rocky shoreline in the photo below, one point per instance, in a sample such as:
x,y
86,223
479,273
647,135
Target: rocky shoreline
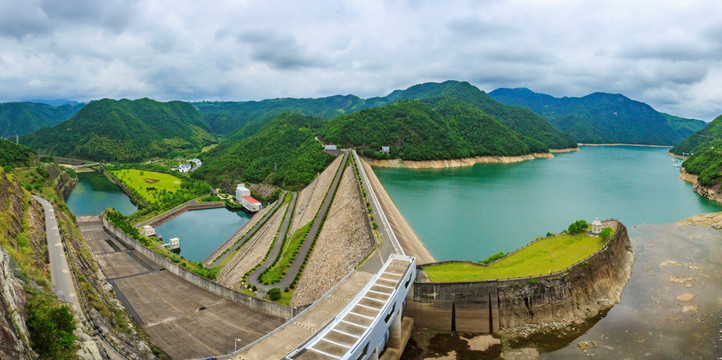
x,y
713,193
440,164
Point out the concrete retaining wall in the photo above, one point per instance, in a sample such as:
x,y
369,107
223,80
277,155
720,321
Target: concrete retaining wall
x,y
578,292
177,211
260,305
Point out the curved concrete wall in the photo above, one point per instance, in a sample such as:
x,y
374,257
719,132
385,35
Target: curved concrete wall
x,y
582,290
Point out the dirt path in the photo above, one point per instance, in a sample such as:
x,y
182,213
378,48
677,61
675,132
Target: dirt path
x,y
407,238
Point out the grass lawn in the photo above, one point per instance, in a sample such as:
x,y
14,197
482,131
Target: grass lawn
x,y
290,249
148,184
284,300
552,254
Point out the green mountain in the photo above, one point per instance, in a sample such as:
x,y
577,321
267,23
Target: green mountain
x,y
13,155
438,128
603,118
703,138
124,130
20,118
283,152
537,133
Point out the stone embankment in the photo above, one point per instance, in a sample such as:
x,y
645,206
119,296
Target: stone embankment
x,y
438,164
518,307
343,242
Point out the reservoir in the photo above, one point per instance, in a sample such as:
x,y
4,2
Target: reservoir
x,y
94,193
202,231
470,213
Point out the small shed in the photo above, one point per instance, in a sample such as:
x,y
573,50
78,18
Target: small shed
x,y
596,226
385,149
330,147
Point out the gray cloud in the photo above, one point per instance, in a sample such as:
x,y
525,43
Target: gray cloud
x,y
668,55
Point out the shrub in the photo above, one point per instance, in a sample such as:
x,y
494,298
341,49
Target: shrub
x,y
274,294
606,233
51,328
491,258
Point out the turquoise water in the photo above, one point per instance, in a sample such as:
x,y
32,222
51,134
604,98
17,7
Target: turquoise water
x,y
94,193
470,213
202,231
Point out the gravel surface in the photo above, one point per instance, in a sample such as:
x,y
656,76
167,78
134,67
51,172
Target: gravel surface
x,y
311,197
252,253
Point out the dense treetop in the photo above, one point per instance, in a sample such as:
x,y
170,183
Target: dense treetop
x,y
603,118
286,143
124,130
14,155
438,128
20,118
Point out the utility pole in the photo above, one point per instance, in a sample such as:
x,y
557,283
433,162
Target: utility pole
x,y
17,139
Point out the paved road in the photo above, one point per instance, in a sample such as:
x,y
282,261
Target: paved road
x,y
389,243
59,271
249,233
253,277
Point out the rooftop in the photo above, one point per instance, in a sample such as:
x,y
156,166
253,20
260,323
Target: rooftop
x,y
251,200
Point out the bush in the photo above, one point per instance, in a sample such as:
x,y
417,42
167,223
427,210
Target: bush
x,y
606,233
274,294
51,328
491,258
577,226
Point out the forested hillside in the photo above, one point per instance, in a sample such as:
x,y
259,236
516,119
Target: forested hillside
x,y
13,155
286,143
124,130
441,128
703,138
603,118
20,118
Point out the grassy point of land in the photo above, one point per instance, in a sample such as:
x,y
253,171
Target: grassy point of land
x,y
284,300
548,255
148,184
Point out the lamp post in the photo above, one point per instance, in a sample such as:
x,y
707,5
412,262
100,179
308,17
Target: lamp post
x,y
235,345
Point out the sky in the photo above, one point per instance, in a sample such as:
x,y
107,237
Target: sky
x,y
664,53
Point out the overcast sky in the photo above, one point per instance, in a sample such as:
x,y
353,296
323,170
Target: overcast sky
x,y
665,53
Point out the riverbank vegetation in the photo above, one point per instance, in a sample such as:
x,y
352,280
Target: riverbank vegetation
x,y
544,256
13,155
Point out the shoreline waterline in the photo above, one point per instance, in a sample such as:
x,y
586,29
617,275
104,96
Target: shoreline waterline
x,y
623,144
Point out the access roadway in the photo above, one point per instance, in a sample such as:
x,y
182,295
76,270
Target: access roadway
x,y
307,243
60,274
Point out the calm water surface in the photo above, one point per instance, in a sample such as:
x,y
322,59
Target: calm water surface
x,y
94,193
470,213
202,231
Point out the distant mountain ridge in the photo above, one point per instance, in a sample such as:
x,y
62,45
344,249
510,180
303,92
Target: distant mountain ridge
x,y
245,118
20,118
603,118
124,130
704,151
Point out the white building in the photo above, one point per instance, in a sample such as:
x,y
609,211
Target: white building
x,y
330,147
198,162
184,168
385,149
147,230
596,226
243,196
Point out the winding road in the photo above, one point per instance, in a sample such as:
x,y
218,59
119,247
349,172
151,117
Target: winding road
x,y
308,241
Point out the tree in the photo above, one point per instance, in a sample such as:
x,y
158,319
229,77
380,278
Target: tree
x,y
274,294
606,233
577,226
